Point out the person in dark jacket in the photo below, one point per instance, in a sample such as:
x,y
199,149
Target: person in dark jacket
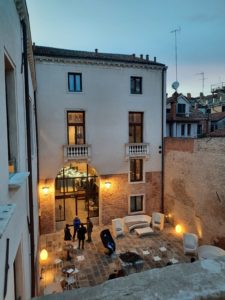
x,y
76,225
89,229
67,234
81,235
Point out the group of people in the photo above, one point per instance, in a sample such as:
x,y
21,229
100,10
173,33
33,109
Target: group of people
x,y
80,230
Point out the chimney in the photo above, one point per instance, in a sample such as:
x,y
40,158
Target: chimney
x,y
201,95
141,56
189,95
133,55
154,58
96,50
173,103
147,57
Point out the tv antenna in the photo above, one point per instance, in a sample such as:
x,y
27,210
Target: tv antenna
x,y
202,79
175,35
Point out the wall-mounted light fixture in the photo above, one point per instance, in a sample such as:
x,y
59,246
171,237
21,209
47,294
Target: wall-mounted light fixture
x,y
45,188
43,255
178,228
107,184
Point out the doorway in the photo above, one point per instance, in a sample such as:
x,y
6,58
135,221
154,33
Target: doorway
x,y
76,193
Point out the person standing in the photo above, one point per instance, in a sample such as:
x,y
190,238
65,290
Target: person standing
x,y
81,235
67,234
89,229
76,225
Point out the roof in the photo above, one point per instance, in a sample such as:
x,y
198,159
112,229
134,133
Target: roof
x,y
218,133
64,53
217,116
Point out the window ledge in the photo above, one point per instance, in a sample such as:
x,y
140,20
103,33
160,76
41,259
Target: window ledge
x,y
17,180
6,212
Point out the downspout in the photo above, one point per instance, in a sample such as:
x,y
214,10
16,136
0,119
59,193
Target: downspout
x,y
162,137
29,160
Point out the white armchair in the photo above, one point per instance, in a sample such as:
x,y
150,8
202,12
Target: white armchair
x,y
157,220
190,243
117,227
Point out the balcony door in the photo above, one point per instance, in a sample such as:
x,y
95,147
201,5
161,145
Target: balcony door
x,y
76,127
135,127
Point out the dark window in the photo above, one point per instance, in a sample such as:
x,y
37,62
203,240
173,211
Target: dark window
x,y
223,108
136,85
136,203
136,170
182,129
181,108
199,129
135,127
189,130
76,127
75,82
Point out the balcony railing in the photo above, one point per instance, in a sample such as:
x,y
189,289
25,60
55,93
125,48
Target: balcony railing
x,y
76,152
137,150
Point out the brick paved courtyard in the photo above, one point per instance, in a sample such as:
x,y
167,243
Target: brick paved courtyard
x,y
96,266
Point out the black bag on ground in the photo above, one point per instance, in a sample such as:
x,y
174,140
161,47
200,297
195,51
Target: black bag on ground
x,y
108,241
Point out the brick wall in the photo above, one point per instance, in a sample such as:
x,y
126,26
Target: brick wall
x,y
194,191
114,201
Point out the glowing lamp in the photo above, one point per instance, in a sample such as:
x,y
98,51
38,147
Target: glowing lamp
x,y
43,255
107,184
178,228
45,189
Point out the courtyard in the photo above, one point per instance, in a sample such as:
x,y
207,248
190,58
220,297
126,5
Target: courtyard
x,y
92,266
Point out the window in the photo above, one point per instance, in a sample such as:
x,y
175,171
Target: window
x,y
75,82
189,130
199,129
136,85
181,108
136,203
182,129
11,116
76,127
223,108
136,170
135,127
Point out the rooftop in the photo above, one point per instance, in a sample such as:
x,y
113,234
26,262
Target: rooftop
x,y
110,57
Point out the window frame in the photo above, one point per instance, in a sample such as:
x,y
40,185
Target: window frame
x,y
82,124
183,110
74,74
134,126
133,179
134,86
129,204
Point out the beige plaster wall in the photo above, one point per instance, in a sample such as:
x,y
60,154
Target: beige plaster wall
x,y
194,185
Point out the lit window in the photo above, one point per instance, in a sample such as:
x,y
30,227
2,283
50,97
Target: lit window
x,y
136,170
76,127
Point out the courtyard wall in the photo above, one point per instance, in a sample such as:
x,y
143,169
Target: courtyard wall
x,y
194,191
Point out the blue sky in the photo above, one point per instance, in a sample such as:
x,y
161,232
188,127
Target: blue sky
x,y
140,27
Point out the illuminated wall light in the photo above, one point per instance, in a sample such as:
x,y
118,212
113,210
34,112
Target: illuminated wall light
x,y
45,189
178,228
107,184
43,255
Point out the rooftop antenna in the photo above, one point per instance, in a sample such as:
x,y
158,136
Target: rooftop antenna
x,y
175,35
203,80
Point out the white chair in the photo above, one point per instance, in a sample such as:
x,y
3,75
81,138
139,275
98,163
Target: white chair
x,y
190,243
157,220
117,227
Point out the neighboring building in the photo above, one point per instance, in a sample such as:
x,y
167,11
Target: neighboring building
x,y
101,120
18,157
183,120
217,121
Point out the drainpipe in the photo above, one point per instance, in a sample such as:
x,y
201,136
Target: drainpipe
x,y
29,159
162,137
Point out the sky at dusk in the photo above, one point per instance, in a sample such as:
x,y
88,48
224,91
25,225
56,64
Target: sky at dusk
x,y
140,27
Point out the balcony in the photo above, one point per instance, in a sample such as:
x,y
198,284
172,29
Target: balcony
x,y
137,150
77,152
